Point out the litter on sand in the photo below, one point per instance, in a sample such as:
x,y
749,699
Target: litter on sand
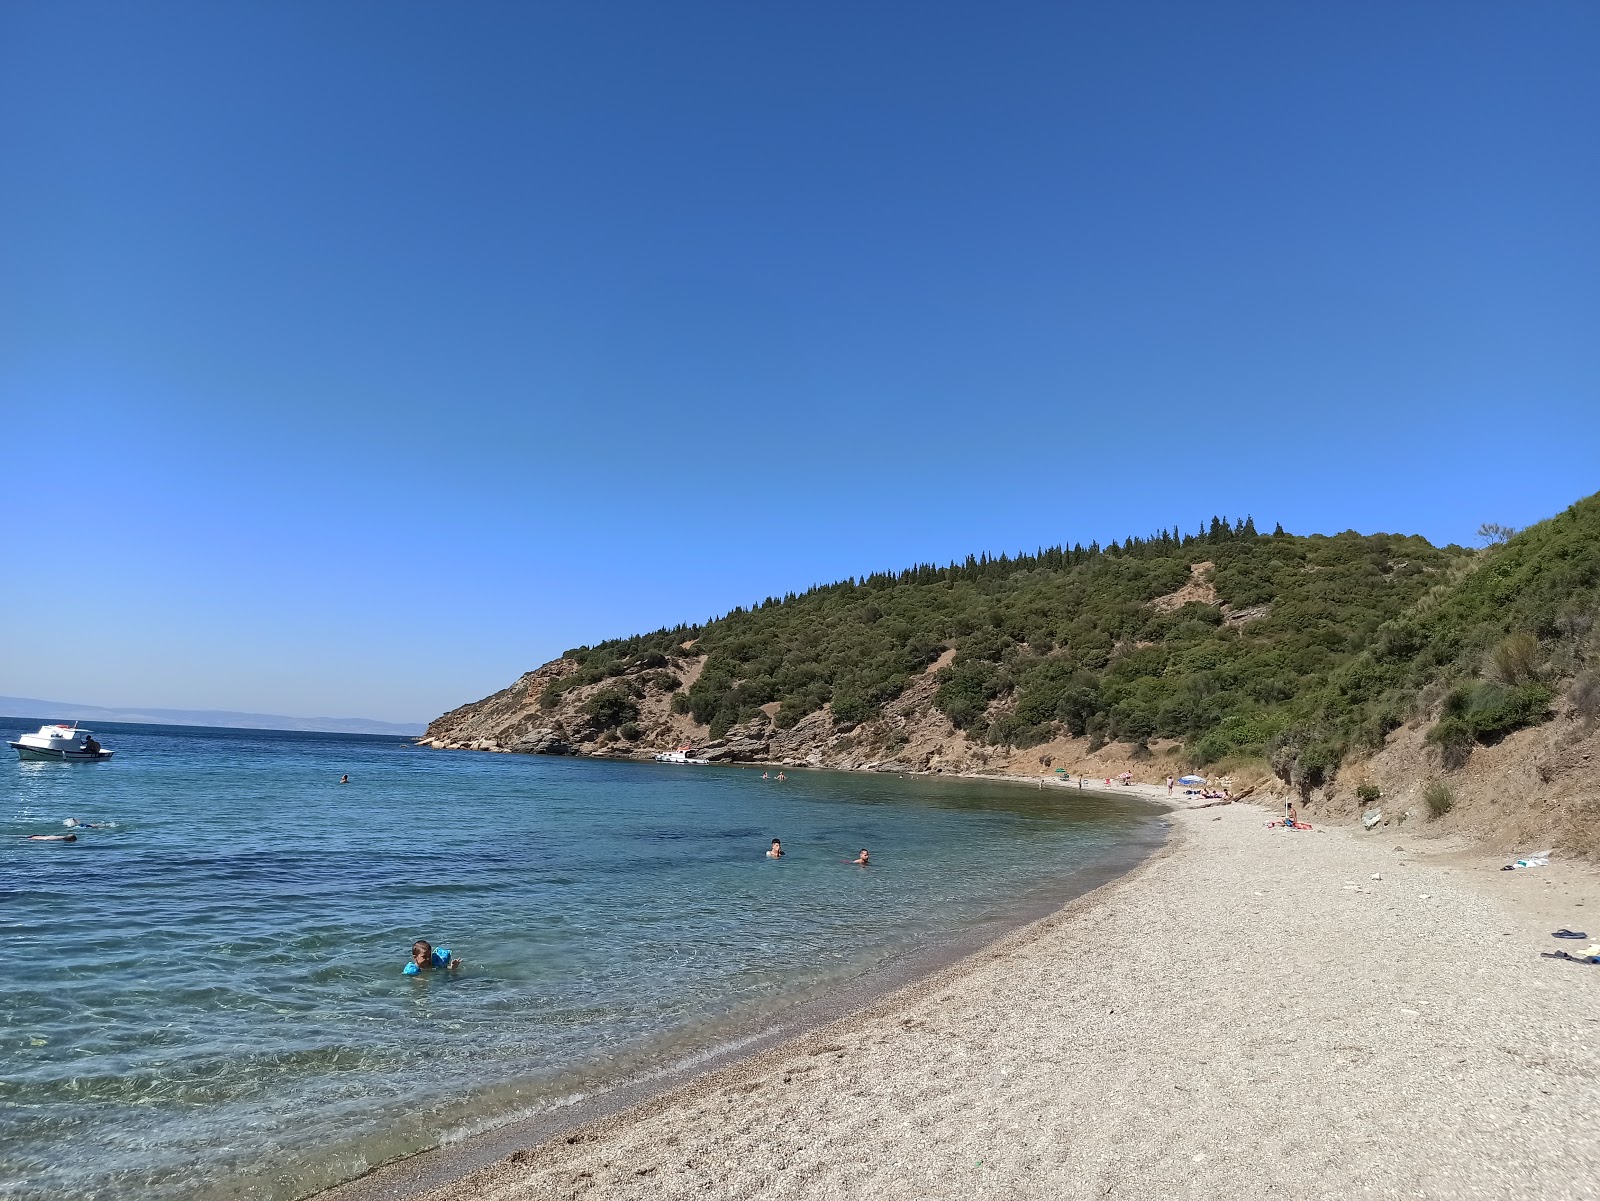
x,y
1574,958
1537,859
1372,819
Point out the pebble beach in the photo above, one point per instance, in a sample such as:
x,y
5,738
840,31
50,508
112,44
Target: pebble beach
x,y
1252,1013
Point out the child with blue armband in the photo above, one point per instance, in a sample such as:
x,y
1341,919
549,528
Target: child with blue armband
x,y
425,959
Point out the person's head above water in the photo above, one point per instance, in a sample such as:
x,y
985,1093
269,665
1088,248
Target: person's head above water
x,y
425,957
777,850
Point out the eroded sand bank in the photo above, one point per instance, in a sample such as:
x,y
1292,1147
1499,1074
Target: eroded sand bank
x,y
1250,1014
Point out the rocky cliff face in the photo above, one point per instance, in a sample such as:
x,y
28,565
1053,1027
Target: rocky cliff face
x,y
911,735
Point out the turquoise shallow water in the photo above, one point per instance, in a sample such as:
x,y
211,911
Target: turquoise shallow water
x,y
206,999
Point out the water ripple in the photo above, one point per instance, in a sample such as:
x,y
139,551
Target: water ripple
x,y
217,978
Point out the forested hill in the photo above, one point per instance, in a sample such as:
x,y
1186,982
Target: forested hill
x,y
1229,642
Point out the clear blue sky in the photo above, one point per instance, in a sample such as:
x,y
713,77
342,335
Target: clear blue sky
x,y
377,352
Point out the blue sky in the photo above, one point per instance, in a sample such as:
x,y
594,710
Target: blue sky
x,y
378,352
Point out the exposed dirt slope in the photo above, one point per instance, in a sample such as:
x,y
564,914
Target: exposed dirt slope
x,y
1537,789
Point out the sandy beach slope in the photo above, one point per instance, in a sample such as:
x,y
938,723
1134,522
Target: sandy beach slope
x,y
1251,1014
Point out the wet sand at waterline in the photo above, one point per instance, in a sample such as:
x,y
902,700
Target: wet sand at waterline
x,y
1249,1014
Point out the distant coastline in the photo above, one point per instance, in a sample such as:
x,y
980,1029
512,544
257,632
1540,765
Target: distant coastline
x,y
24,706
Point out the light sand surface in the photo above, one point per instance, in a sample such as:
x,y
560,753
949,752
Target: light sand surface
x,y
1250,1014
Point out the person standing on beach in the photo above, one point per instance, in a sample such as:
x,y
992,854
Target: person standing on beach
x,y
1169,785
777,850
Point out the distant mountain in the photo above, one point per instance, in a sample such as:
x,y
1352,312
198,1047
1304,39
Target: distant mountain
x,y
24,706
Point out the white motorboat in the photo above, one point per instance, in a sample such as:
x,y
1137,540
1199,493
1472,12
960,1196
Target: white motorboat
x,y
61,741
681,755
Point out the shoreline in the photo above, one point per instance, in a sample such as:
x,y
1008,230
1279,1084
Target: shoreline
x,y
752,1038
1048,777
1247,1012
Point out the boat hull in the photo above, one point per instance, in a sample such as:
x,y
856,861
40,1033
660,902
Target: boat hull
x,y
34,752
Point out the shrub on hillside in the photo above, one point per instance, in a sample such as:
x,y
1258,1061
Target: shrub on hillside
x,y
965,690
1368,793
1440,799
1012,730
1483,714
629,731
1514,659
1585,695
1454,739
850,709
611,707
1303,759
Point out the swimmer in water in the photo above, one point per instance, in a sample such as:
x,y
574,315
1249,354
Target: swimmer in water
x,y
765,776
344,779
861,860
425,959
781,776
79,823
777,850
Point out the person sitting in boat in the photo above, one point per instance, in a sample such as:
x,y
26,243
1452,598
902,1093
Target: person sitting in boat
x,y
90,745
424,958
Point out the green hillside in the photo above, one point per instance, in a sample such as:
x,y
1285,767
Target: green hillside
x,y
1300,649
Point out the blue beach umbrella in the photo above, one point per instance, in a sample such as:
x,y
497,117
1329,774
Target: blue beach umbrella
x,y
1191,779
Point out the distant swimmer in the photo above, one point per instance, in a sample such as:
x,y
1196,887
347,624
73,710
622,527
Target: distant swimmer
x,y
777,850
765,776
424,958
344,779
861,860
52,838
79,823
781,776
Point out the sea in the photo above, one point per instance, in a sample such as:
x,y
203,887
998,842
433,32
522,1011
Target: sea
x,y
203,995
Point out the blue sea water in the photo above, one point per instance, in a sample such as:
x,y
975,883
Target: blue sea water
x,y
206,1000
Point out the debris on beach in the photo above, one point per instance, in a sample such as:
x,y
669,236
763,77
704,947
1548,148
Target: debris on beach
x,y
1537,859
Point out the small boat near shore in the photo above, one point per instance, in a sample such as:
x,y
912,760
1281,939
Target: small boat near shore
x,y
681,755
61,741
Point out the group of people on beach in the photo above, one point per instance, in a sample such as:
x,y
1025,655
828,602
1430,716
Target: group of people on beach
x,y
864,859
